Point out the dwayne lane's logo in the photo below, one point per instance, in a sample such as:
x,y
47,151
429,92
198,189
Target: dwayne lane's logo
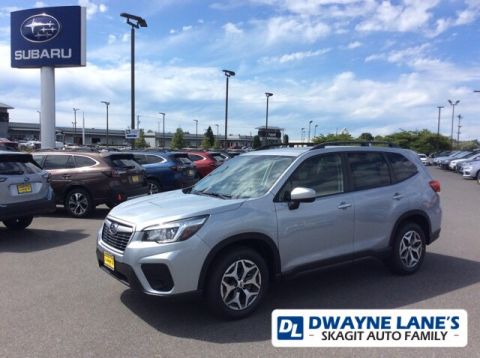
x,y
40,28
290,327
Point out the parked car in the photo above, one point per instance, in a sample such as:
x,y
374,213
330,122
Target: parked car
x,y
24,190
167,170
272,213
445,163
449,155
205,162
83,180
423,158
471,170
472,156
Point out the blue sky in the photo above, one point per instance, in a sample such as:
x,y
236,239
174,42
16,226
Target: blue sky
x,y
365,65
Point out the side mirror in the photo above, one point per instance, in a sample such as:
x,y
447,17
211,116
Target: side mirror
x,y
301,195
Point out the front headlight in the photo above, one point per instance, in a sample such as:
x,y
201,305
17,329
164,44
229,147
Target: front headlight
x,y
175,230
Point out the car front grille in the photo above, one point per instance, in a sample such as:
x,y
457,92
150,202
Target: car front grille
x,y
116,235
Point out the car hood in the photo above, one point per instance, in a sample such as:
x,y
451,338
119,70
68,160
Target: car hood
x,y
169,206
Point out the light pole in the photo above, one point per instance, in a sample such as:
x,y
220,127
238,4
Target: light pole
x,y
135,22
459,126
216,125
228,74
106,105
268,95
315,130
438,125
309,125
75,123
163,130
196,132
453,104
302,134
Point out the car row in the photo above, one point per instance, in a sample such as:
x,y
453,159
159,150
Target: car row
x,y
466,163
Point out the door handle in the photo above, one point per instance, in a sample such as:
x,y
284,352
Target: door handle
x,y
397,196
343,205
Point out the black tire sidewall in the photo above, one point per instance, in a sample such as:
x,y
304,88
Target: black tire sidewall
x,y
219,266
395,261
155,182
18,223
89,199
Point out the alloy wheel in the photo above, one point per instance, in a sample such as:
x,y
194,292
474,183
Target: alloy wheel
x,y
78,204
411,249
241,284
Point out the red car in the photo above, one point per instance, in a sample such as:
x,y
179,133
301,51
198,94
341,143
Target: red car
x,y
205,162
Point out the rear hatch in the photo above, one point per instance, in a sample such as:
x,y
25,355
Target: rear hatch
x,y
217,157
184,165
130,173
21,179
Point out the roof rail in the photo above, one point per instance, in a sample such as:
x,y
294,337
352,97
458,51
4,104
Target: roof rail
x,y
357,143
283,145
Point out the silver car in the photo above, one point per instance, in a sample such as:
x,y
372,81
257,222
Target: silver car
x,y
24,190
471,170
273,213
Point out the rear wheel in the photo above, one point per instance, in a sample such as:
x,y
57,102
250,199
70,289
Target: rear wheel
x,y
78,203
237,283
478,177
408,249
18,223
154,186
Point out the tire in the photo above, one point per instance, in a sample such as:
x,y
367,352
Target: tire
x,y
78,203
478,177
408,249
234,303
18,223
154,186
111,205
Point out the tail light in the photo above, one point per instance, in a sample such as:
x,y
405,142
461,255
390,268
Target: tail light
x,y
435,185
115,173
121,197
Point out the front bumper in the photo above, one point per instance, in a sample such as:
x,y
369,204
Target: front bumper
x,y
29,208
156,269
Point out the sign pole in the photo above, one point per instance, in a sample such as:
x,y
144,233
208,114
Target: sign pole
x,y
47,119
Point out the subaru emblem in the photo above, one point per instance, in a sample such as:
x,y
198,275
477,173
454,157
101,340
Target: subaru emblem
x,y
40,28
113,228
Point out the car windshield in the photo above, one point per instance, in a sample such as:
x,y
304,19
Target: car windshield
x,y
247,176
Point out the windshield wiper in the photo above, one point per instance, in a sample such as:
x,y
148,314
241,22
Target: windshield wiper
x,y
215,195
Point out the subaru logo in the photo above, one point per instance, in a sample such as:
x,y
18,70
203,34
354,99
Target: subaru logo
x,y
113,228
40,28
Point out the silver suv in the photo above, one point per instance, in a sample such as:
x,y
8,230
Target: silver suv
x,y
24,190
271,213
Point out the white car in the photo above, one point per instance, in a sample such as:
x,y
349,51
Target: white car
x,y
423,158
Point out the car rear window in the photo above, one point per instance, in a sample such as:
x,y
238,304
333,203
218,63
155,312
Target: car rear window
x,y
369,170
195,157
81,161
17,167
402,168
124,162
153,159
218,157
140,159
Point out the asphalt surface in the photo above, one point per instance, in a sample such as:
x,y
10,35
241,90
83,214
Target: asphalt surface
x,y
55,301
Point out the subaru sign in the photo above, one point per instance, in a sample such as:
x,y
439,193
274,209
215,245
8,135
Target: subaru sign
x,y
51,36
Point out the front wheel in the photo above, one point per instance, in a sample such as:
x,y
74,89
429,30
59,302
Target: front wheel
x,y
237,283
408,249
18,223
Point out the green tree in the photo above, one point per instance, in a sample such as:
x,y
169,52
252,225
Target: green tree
x,y
178,141
256,142
217,144
210,137
366,136
205,143
331,137
140,142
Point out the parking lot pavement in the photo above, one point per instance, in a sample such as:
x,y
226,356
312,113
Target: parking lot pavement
x,y
56,302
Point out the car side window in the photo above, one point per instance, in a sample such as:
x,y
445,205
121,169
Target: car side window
x,y
58,162
402,168
195,157
369,170
81,161
39,159
152,159
322,173
140,159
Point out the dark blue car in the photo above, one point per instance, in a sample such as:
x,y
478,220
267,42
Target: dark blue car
x,y
167,170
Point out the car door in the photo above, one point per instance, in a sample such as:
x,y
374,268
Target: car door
x,y
60,168
378,202
322,229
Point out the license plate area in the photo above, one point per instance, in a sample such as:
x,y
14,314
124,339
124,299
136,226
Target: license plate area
x,y
109,261
135,178
24,188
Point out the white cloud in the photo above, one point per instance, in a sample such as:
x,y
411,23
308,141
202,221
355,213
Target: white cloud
x,y
279,29
354,45
187,28
112,39
295,56
231,28
39,4
92,7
